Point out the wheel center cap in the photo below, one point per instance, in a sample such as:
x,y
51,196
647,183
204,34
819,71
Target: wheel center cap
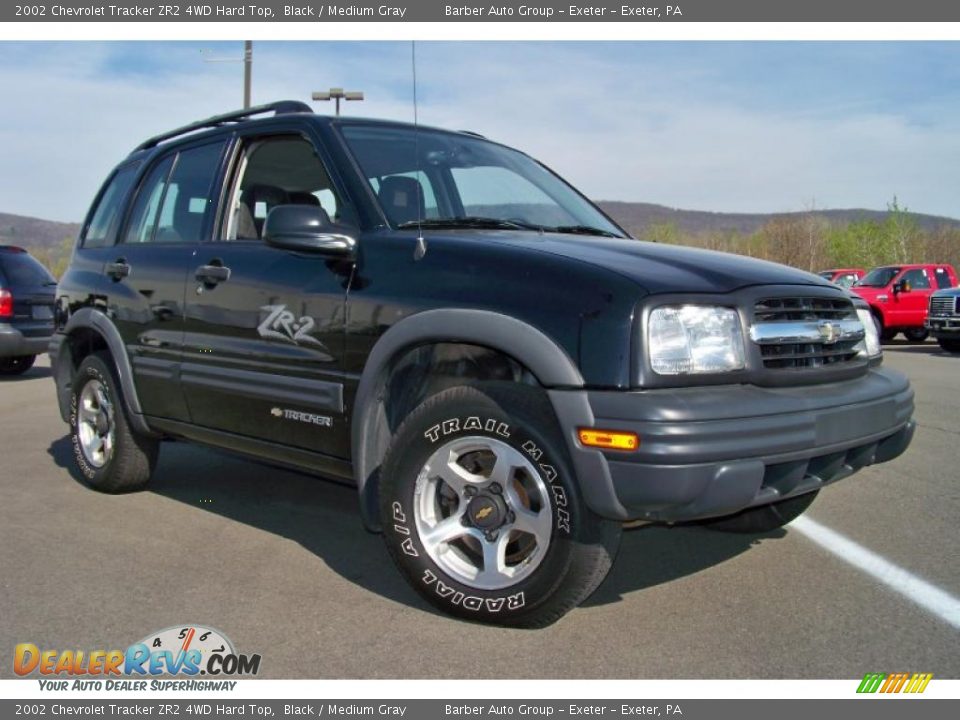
x,y
487,512
102,423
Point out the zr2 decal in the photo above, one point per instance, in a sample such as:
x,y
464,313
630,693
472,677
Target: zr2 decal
x,y
281,324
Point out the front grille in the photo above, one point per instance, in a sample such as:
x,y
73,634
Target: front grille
x,y
946,305
801,309
807,355
795,319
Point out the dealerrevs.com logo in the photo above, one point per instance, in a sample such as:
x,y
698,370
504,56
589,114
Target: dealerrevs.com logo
x,y
180,651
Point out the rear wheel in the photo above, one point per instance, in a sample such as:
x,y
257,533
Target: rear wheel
x,y
765,518
481,512
16,365
110,454
917,335
951,345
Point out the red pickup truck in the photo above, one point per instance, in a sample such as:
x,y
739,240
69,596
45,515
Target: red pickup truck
x,y
898,296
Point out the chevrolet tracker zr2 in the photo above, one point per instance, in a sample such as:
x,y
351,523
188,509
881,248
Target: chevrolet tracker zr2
x,y
505,375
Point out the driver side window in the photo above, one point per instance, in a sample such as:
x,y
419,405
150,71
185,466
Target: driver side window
x,y
283,170
917,278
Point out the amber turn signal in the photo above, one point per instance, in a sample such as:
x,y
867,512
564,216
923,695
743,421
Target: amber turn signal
x,y
608,439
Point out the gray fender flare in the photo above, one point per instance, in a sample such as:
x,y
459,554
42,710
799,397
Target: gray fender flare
x,y
551,365
96,320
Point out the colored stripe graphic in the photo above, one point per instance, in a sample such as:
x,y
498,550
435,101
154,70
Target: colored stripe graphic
x,y
894,682
871,682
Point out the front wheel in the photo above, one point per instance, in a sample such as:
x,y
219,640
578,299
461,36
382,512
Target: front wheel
x,y
16,365
951,345
885,334
916,335
764,518
481,512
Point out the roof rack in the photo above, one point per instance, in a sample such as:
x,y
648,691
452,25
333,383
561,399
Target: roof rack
x,y
283,107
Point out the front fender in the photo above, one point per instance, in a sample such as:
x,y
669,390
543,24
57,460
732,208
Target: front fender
x,y
548,362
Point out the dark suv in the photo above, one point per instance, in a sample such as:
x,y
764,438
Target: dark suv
x,y
505,375
27,292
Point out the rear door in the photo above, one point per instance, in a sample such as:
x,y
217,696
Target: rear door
x,y
170,215
263,348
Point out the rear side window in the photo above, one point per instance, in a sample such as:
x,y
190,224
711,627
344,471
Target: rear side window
x,y
19,269
174,201
103,222
943,278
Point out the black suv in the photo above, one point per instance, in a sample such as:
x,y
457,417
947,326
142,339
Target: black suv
x,y
27,292
505,375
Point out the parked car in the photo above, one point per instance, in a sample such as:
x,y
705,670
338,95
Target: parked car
x,y
899,295
844,277
27,293
504,374
943,318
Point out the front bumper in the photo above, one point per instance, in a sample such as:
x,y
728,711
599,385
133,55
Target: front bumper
x,y
713,451
16,341
948,327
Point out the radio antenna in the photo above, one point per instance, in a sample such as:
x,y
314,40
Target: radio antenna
x,y
421,248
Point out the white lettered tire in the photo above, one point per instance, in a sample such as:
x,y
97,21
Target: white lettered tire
x,y
481,511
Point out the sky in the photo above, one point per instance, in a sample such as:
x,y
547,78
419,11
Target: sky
x,y
716,126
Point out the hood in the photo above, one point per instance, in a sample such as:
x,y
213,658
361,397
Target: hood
x,y
665,268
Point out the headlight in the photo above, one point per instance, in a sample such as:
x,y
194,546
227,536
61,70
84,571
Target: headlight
x,y
871,338
694,339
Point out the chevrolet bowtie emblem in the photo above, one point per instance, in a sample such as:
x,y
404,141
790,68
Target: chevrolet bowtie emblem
x,y
829,333
484,512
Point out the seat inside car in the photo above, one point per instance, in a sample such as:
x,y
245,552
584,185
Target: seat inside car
x,y
401,199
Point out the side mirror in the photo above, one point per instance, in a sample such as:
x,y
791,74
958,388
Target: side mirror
x,y
902,286
308,228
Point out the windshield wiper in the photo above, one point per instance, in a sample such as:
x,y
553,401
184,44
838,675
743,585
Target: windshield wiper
x,y
470,221
582,230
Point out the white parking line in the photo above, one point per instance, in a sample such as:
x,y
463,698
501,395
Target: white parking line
x,y
926,595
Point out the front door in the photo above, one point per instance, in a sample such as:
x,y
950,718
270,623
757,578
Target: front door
x,y
264,326
911,306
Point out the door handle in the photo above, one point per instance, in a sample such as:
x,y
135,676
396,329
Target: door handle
x,y
212,274
118,269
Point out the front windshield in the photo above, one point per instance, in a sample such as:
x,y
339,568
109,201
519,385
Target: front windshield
x,y
879,277
445,179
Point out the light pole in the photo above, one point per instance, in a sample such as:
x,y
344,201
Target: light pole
x,y
337,94
247,61
247,71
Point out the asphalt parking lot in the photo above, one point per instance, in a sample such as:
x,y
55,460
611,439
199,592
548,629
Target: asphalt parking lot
x,y
280,563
